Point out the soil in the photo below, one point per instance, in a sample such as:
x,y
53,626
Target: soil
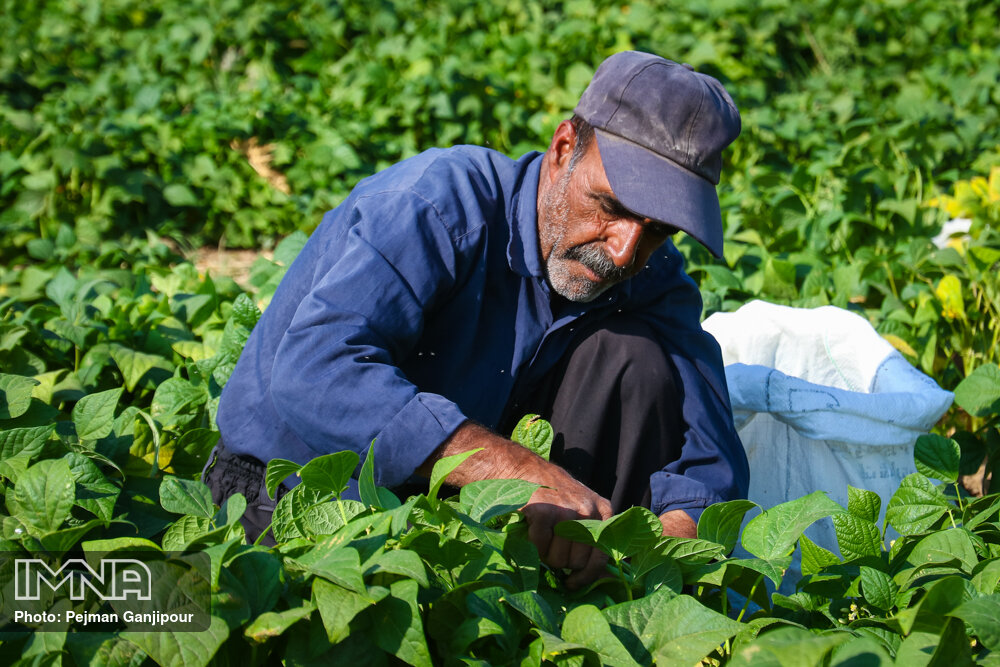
x,y
233,263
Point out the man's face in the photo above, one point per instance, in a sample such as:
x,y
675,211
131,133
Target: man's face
x,y
589,241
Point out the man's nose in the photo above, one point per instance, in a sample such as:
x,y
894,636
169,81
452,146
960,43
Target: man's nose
x,y
623,241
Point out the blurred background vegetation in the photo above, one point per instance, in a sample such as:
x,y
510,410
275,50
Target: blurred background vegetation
x,y
223,122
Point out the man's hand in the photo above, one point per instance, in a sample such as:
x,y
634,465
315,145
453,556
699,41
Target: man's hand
x,y
678,524
561,497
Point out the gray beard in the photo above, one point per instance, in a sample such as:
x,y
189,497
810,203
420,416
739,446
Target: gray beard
x,y
558,265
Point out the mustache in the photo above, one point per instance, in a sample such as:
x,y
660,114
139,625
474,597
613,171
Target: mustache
x,y
591,256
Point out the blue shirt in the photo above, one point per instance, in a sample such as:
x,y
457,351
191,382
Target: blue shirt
x,y
420,301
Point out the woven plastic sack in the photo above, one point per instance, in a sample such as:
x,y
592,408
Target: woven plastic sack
x,y
821,401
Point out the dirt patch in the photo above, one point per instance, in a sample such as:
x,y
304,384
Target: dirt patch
x,y
233,263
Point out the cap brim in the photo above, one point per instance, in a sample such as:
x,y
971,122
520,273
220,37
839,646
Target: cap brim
x,y
654,187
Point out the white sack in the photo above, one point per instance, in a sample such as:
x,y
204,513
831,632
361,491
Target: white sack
x,y
822,401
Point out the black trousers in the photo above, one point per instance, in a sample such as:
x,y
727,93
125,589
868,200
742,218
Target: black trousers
x,y
613,402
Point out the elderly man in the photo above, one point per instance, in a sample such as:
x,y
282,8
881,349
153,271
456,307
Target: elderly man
x,y
459,289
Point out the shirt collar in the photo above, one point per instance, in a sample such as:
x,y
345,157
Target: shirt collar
x,y
523,252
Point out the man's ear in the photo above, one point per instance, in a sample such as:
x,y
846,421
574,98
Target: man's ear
x,y
561,149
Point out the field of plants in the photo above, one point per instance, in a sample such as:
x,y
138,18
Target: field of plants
x,y
133,134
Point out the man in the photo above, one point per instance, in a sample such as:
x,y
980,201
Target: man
x,y
459,289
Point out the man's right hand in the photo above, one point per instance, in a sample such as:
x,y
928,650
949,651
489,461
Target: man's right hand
x,y
563,499
560,498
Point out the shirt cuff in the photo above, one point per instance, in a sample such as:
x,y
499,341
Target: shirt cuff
x,y
425,422
677,492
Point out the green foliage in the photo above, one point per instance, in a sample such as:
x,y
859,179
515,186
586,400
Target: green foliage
x,y
534,433
89,462
239,123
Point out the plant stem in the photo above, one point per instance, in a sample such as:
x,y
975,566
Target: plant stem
x,y
625,582
340,506
753,589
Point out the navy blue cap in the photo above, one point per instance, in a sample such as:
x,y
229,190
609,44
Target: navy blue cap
x,y
661,128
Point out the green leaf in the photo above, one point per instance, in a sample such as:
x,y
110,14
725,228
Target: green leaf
x,y
191,450
685,631
120,543
987,577
94,493
983,614
634,622
979,393
444,467
948,645
631,532
341,565
773,533
178,194
561,652
328,518
65,539
533,607
176,396
182,649
815,558
863,504
779,278
186,530
399,561
94,414
485,604
277,471
586,625
245,311
861,652
937,457
134,365
944,545
231,511
338,606
40,647
857,537
490,498
273,624
15,395
916,505
186,496
634,530
329,473
721,522
290,247
400,629
534,433
940,598
690,549
878,588
788,645
288,518
24,442
371,495
44,494
260,573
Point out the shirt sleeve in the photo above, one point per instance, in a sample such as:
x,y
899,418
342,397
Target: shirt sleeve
x,y
336,377
713,465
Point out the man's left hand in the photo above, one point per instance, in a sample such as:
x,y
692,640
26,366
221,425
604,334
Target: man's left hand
x,y
678,523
